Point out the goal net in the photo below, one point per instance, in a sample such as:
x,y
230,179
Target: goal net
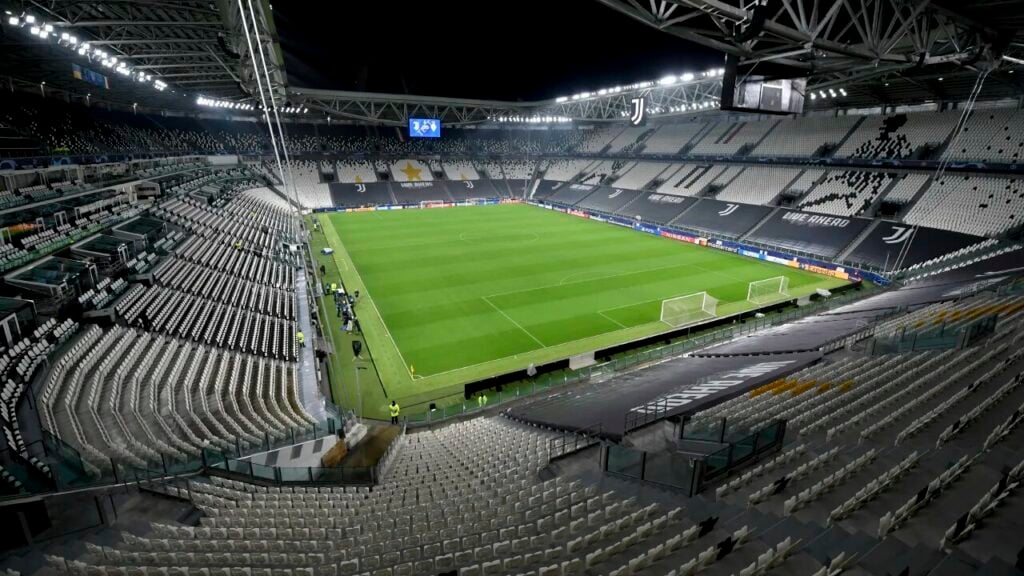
x,y
688,309
769,290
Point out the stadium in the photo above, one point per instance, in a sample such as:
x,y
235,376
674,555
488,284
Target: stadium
x,y
602,288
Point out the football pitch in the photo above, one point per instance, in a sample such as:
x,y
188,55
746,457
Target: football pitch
x,y
453,295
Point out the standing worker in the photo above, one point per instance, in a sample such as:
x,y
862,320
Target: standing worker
x,y
394,409
301,338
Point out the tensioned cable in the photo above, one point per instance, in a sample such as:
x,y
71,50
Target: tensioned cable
x,y
944,161
263,99
273,103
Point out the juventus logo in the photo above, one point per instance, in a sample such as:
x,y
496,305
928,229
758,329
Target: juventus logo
x,y
898,236
729,209
469,184
360,187
636,118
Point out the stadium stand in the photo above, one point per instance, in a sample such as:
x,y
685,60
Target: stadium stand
x,y
693,179
724,218
565,170
356,171
902,410
673,138
608,200
788,229
410,171
899,135
311,191
640,174
733,138
757,185
598,139
805,137
979,205
990,135
847,192
460,170
656,207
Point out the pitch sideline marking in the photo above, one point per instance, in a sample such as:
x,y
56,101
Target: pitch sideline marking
x,y
509,318
452,370
340,248
607,317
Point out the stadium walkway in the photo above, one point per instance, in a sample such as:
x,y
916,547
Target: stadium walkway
x,y
309,394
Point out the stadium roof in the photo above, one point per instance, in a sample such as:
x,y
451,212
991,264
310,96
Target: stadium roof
x,y
196,47
878,51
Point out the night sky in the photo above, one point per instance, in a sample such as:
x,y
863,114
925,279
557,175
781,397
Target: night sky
x,y
523,50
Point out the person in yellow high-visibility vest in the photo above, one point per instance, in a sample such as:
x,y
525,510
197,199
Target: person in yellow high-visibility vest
x,y
301,338
394,409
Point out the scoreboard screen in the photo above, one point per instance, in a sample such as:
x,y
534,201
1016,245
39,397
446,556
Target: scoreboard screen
x,y
424,128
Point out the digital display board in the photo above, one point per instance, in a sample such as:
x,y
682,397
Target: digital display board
x,y
424,128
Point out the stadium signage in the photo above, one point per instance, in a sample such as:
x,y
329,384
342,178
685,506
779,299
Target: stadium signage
x,y
714,385
805,219
685,238
837,272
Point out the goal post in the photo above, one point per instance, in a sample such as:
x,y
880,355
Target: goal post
x,y
684,310
769,290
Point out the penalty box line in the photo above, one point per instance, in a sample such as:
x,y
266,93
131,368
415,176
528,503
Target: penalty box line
x,y
512,320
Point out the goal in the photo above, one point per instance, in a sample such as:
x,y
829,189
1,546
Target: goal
x,y
685,310
769,290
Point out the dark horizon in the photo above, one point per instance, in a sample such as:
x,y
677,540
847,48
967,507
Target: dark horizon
x,y
454,54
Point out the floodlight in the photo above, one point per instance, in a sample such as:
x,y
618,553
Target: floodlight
x,y
585,95
44,34
813,96
64,35
667,80
687,77
13,20
30,19
561,99
72,40
34,30
48,27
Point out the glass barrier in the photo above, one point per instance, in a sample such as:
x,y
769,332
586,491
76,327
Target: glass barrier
x,y
625,461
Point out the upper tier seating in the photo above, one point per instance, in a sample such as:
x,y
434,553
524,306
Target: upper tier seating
x,y
732,137
898,135
990,135
673,138
805,136
980,205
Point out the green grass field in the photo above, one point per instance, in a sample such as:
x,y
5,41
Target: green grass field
x,y
454,295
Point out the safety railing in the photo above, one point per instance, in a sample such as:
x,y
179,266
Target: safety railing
x,y
628,360
688,473
70,471
571,441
